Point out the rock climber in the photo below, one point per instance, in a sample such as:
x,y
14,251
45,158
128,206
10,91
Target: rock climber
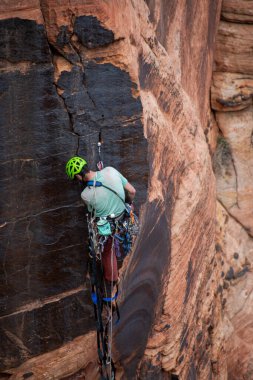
x,y
107,201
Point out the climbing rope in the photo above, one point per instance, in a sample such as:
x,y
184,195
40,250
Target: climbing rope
x,y
102,301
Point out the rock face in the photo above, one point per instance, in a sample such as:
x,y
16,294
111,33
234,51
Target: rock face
x,y
53,108
140,73
232,101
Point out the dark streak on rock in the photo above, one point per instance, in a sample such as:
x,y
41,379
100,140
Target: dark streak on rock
x,y
192,373
225,285
143,284
242,272
33,129
63,37
40,255
23,40
100,99
45,328
63,46
189,277
181,359
27,375
43,257
218,247
199,336
230,275
42,243
151,6
91,33
228,103
148,371
212,24
236,256
144,72
183,338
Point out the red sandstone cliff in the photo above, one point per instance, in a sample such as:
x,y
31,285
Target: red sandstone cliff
x,y
141,72
232,103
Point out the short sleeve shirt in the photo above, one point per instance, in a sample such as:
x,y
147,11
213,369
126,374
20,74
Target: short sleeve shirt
x,y
102,201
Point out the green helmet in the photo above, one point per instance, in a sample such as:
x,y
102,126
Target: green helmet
x,y
74,166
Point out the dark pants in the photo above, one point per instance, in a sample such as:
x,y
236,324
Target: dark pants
x,y
109,261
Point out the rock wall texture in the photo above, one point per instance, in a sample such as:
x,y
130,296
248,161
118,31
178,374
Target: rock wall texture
x,y
231,95
54,104
140,72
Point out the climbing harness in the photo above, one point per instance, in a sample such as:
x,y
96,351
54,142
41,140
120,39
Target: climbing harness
x,y
118,234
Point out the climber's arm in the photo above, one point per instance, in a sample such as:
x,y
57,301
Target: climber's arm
x,y
130,191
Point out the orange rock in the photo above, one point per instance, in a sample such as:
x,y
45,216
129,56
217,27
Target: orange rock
x,y
235,183
236,325
232,48
237,11
27,9
71,358
231,92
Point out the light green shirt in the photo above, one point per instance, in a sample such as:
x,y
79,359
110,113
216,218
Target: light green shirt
x,y
101,201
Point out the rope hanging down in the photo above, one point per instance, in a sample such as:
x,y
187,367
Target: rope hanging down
x,y
119,234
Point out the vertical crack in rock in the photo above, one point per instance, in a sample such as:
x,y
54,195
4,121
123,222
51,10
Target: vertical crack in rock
x,y
71,122
236,180
227,152
43,15
57,88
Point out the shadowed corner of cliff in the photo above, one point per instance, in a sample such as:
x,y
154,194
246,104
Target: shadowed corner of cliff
x,y
142,288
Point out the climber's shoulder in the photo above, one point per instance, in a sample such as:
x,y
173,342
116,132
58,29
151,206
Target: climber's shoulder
x,y
109,169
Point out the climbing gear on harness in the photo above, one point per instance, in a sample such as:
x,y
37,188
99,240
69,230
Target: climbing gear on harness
x,y
104,300
110,238
104,227
74,166
101,301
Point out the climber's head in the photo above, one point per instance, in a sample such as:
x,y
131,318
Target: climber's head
x,y
76,167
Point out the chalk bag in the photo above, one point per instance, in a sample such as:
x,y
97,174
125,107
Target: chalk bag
x,y
104,227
